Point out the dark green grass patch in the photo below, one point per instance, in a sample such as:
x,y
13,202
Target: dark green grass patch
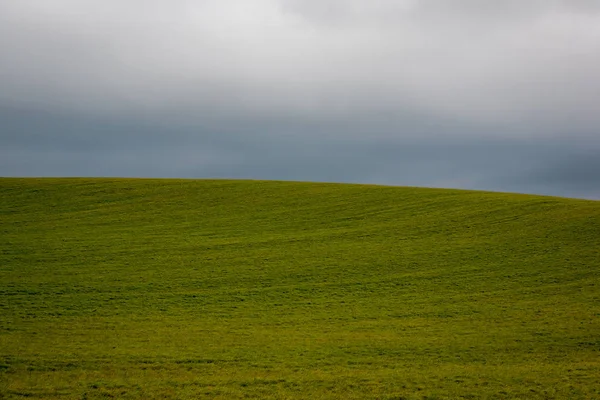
x,y
239,289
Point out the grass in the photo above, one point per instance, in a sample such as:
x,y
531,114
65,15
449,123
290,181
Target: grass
x,y
273,290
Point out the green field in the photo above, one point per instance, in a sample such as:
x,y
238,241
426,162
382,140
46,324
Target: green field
x,y
116,288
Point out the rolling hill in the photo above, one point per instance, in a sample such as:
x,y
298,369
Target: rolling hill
x,y
131,288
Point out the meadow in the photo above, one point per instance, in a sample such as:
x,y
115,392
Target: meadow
x,y
185,289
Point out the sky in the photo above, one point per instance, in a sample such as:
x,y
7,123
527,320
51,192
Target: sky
x,y
470,94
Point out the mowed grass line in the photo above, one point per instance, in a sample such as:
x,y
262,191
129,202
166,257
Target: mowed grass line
x,y
149,289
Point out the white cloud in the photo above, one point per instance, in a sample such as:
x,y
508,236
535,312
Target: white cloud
x,y
525,67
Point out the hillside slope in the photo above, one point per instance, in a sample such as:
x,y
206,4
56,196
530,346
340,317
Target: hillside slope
x,y
250,289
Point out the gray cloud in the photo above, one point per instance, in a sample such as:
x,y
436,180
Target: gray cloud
x,y
474,94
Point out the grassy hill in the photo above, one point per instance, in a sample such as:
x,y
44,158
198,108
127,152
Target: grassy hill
x,y
272,290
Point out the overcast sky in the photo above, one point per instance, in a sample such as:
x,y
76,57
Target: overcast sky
x,y
478,94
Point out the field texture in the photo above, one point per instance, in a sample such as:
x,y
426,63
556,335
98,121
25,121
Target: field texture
x,y
148,289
